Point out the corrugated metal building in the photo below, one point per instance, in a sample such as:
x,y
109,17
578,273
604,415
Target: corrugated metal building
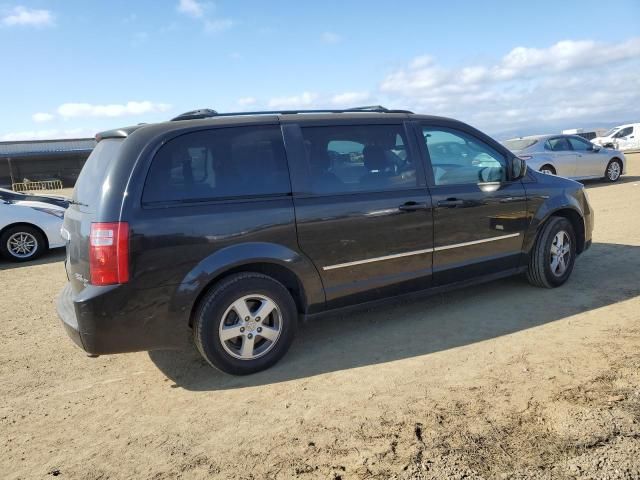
x,y
39,160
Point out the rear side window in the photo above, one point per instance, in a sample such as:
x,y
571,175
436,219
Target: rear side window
x,y
559,144
358,158
89,184
217,164
520,143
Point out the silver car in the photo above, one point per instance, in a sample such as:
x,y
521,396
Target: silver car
x,y
569,156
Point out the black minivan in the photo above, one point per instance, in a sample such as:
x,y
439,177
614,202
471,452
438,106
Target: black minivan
x,y
226,229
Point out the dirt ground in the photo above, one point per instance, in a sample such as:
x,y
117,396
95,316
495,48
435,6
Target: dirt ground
x,y
502,381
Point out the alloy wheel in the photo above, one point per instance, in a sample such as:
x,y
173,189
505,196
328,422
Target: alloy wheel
x,y
613,171
250,327
22,245
560,253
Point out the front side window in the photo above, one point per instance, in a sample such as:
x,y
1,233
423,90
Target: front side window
x,y
580,145
220,163
459,158
357,158
559,144
624,132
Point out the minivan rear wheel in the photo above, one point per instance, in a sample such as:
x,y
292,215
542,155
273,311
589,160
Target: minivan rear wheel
x,y
245,323
553,255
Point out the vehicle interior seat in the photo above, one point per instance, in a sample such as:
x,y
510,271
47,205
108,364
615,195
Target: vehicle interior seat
x,y
378,167
322,179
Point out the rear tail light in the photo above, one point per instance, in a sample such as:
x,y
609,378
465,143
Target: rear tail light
x,y
109,253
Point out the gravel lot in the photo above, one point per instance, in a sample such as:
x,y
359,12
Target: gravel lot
x,y
498,381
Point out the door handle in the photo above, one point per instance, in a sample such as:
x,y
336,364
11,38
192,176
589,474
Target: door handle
x,y
413,206
451,203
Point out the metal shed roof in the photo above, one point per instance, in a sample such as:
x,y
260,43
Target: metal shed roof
x,y
44,147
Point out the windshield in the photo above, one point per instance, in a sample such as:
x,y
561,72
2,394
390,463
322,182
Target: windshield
x,y
608,133
89,184
520,143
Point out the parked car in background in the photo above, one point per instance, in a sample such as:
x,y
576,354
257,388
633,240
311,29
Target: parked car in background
x,y
29,224
624,137
568,156
224,229
606,139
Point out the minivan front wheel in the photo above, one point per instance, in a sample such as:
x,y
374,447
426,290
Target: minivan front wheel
x,y
553,255
245,323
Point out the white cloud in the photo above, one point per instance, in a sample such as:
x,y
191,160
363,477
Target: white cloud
x,y
305,99
42,117
70,110
569,82
349,99
23,16
218,25
49,134
246,101
192,8
330,38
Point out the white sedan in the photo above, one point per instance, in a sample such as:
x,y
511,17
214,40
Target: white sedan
x,y
569,156
29,224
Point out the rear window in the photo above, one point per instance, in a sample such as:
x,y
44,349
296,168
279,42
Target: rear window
x,y
89,184
219,164
520,143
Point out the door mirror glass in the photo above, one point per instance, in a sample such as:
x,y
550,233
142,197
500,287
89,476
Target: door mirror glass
x,y
518,167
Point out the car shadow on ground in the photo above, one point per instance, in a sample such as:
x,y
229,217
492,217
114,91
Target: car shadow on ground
x,y
52,256
604,183
604,275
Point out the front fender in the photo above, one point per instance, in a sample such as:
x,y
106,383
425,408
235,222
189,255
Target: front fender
x,y
541,206
246,254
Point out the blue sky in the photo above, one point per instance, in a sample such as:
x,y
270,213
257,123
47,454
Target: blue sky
x,y
71,68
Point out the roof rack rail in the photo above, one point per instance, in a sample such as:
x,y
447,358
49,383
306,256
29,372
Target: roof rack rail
x,y
195,114
207,112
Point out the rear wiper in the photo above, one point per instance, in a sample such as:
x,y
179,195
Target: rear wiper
x,y
75,202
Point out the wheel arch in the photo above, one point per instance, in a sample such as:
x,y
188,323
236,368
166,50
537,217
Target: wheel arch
x,y
27,224
274,270
291,268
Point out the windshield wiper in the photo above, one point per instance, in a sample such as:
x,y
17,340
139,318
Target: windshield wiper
x,y
75,202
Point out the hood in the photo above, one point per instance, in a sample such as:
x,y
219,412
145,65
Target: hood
x,y
37,204
57,200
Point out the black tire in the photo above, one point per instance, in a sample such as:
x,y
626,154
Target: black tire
x,y
548,167
540,272
32,234
609,174
211,313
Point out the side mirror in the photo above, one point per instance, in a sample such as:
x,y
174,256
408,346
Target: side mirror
x,y
518,168
596,148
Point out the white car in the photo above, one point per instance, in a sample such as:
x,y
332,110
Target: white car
x,y
29,224
569,156
622,137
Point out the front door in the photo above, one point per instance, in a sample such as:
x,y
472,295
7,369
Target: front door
x,y
479,213
589,161
363,211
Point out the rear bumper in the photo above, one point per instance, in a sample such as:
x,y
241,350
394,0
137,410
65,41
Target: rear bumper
x,y
67,315
105,320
